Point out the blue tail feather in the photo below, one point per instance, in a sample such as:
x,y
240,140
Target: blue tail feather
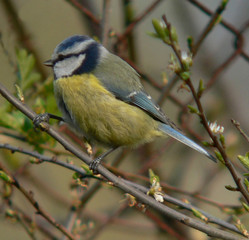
x,y
182,138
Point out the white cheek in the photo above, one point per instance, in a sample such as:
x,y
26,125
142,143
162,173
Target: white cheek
x,y
67,66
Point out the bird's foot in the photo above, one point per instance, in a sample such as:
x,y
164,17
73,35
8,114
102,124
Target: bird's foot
x,y
38,119
94,164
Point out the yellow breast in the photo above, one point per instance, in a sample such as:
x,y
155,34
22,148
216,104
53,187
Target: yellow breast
x,y
100,116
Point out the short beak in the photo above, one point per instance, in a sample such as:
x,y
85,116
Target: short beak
x,y
48,63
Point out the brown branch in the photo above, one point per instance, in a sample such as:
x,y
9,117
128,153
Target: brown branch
x,y
105,22
189,207
226,63
227,161
237,125
169,188
107,221
224,23
164,226
23,37
204,121
42,158
29,196
119,182
209,12
85,198
209,27
195,49
137,20
28,229
87,12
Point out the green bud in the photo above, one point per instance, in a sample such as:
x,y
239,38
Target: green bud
x,y
246,207
206,144
7,190
6,177
152,34
86,168
35,160
76,176
173,34
222,139
19,93
230,188
185,75
219,156
10,213
244,160
160,29
153,177
193,109
199,214
186,59
174,65
201,88
190,42
246,182
240,226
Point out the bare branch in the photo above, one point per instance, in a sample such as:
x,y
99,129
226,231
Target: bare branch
x,y
119,182
204,121
30,197
237,125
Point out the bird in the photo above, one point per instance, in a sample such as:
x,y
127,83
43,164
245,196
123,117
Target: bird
x,y
101,97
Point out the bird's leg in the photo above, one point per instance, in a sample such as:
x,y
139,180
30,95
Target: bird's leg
x,y
45,118
95,162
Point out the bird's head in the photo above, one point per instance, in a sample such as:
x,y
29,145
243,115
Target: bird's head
x,y
76,55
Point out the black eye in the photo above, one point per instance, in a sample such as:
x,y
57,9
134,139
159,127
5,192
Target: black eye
x,y
60,57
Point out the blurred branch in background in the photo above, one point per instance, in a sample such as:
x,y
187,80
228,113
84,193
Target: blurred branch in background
x,y
22,35
81,196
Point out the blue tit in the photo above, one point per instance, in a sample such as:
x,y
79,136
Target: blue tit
x,y
102,98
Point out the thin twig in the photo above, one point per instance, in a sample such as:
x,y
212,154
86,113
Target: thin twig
x,y
44,158
30,197
89,193
23,37
107,221
194,49
189,207
105,22
95,187
224,23
87,12
226,63
27,229
119,182
164,225
212,23
169,188
204,121
137,20
237,125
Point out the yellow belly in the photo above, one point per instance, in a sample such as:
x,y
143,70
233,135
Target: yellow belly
x,y
100,116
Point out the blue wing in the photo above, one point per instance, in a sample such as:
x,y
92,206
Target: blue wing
x,y
124,84
118,77
145,102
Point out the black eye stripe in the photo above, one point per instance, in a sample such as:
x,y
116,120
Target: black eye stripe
x,y
62,57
